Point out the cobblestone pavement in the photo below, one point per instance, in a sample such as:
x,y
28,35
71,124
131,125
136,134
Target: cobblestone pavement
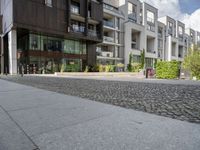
x,y
171,100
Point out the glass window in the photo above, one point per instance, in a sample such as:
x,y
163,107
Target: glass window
x,y
84,48
150,16
136,59
180,30
131,8
48,3
75,7
198,37
77,47
70,46
34,42
22,43
71,65
149,62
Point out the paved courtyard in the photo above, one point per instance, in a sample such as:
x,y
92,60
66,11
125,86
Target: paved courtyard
x,y
175,99
37,119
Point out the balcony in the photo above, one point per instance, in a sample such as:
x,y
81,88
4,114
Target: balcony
x,y
150,21
106,54
170,31
160,35
151,51
76,28
92,32
111,9
108,39
160,55
151,28
180,37
134,45
132,16
108,24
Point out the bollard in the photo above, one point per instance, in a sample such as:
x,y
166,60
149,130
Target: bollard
x,y
27,69
34,69
22,73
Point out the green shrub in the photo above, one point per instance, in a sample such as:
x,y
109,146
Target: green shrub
x,y
129,67
86,69
102,68
192,62
135,67
167,70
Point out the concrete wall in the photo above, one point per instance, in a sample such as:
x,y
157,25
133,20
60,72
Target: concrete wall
x,y
7,12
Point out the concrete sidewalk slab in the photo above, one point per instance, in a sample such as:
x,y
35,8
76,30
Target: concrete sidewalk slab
x,y
11,136
54,121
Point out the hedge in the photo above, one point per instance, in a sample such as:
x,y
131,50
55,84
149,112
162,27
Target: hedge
x,y
167,69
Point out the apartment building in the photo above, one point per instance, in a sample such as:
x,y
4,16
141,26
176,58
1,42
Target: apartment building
x,y
161,41
182,47
111,50
150,22
134,31
197,38
47,36
192,36
171,45
50,35
140,29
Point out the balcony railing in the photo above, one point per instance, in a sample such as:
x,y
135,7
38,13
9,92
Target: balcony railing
x,y
75,9
111,8
108,39
76,28
109,24
92,32
151,28
151,51
132,16
180,56
160,55
150,20
170,31
160,35
105,54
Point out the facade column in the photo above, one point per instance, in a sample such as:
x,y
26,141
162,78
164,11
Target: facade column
x,y
169,48
12,50
2,55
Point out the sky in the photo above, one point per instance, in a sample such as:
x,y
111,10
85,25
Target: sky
x,y
186,11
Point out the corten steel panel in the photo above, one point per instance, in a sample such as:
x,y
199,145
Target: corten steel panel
x,y
83,8
35,15
96,11
91,54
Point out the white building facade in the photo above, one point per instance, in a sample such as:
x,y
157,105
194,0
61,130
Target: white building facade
x,y
133,27
111,50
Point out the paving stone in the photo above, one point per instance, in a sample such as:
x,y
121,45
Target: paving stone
x,y
177,100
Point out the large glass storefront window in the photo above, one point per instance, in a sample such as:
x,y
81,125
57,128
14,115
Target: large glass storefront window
x,y
71,65
41,65
22,43
55,44
34,42
45,43
74,47
37,54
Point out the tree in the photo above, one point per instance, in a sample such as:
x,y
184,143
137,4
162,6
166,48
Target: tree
x,y
192,62
129,66
143,59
